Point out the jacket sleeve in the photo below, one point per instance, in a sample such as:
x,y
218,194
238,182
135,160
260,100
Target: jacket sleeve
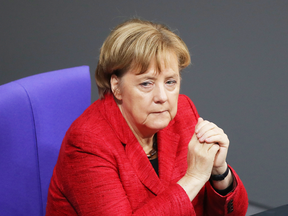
x,y
234,203
89,179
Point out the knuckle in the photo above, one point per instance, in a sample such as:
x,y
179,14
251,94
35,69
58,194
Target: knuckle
x,y
213,124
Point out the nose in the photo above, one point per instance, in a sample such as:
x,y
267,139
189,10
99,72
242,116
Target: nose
x,y
160,94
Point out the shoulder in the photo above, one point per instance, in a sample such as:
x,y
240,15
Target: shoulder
x,y
91,130
91,120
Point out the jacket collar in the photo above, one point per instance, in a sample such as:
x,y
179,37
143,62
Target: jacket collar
x,y
167,148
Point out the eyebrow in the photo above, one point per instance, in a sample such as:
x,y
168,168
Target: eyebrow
x,y
147,76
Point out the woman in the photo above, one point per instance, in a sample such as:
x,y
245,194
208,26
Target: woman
x,y
142,148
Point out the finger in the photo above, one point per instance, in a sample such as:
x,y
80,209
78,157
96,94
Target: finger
x,y
197,126
214,149
206,146
204,127
198,123
193,142
209,133
206,136
222,140
210,149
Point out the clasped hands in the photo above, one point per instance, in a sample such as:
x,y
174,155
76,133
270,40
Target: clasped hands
x,y
207,151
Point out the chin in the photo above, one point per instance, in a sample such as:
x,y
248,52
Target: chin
x,y
158,121
159,125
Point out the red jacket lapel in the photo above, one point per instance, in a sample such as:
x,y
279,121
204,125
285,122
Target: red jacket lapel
x,y
167,149
143,167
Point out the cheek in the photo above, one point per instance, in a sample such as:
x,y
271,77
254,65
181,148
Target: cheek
x,y
138,107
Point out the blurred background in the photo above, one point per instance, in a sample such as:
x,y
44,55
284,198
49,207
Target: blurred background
x,y
238,77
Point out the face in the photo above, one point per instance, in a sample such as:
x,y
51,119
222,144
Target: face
x,y
148,101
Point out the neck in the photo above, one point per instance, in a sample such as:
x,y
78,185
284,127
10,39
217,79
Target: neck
x,y
145,141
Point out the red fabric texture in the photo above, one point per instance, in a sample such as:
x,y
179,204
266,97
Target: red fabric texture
x,y
103,170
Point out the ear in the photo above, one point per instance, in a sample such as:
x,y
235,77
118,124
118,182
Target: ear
x,y
115,87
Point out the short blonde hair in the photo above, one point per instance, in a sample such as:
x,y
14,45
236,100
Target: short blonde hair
x,y
134,44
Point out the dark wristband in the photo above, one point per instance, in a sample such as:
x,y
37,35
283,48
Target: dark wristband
x,y
220,177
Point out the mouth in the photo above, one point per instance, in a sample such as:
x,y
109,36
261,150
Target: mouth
x,y
159,112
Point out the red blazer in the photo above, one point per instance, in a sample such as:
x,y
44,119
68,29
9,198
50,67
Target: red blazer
x,y
103,170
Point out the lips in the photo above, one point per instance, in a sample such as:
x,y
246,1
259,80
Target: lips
x,y
159,112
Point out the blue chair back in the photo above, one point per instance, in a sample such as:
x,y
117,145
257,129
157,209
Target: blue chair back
x,y
35,113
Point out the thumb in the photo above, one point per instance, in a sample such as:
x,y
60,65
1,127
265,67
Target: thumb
x,y
214,149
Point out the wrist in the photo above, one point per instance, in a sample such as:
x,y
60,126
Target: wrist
x,y
219,170
220,177
222,185
191,185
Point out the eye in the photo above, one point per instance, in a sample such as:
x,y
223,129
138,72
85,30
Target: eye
x,y
146,84
171,82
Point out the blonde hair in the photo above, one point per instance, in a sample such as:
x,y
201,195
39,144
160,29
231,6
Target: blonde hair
x,y
134,44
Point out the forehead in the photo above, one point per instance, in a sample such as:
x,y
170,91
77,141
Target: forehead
x,y
167,63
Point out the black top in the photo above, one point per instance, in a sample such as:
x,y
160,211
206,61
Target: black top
x,y
154,163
